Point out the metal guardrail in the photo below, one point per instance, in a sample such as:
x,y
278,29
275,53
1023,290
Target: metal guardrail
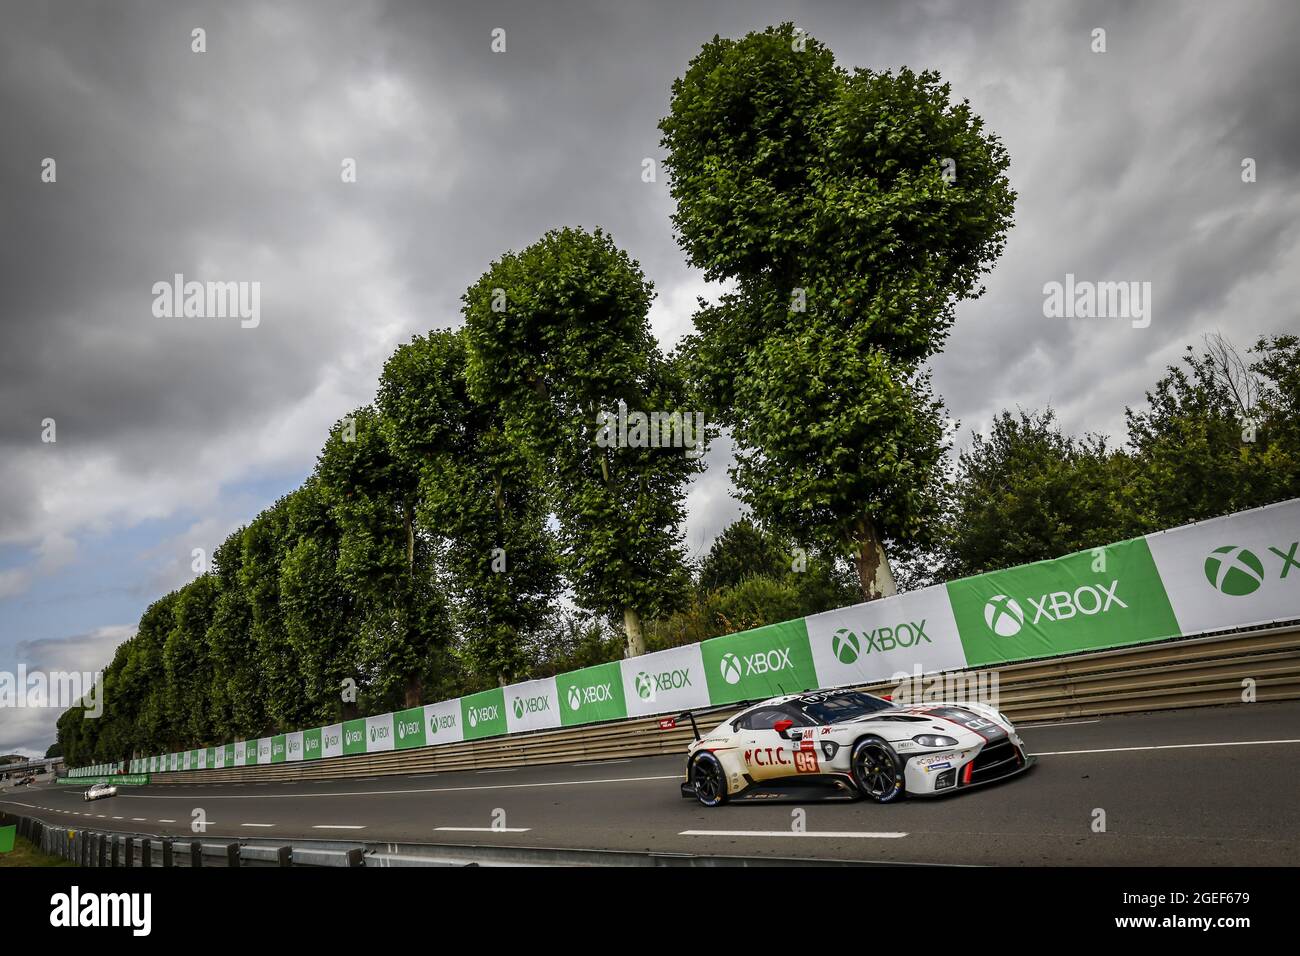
x,y
1184,672
130,850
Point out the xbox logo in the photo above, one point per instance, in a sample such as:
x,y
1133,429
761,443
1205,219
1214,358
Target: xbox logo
x,y
519,708
575,698
1234,570
731,668
1003,615
473,717
845,645
645,686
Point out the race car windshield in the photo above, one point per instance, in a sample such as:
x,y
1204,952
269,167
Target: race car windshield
x,y
839,708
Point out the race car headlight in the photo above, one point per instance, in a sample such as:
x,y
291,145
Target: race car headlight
x,y
935,740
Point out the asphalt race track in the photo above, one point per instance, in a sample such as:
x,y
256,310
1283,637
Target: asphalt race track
x,y
1206,786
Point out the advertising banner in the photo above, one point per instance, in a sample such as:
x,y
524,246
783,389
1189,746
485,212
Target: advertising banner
x,y
1107,597
442,722
764,662
331,740
913,633
531,706
409,727
591,694
354,736
664,682
379,733
311,740
483,714
1238,571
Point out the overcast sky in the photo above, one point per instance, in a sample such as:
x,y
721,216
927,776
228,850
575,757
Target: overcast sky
x,y
226,165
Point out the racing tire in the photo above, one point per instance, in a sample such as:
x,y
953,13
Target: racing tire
x,y
708,780
877,771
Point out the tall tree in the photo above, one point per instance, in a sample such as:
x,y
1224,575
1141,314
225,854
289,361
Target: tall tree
x,y
385,559
482,497
852,212
560,338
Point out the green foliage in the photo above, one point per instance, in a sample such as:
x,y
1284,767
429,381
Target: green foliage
x,y
824,195
1218,435
477,492
573,341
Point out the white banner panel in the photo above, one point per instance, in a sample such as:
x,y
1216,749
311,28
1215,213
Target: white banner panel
x,y
379,733
203,759
877,640
1237,571
239,752
442,722
331,741
264,750
293,746
531,705
664,682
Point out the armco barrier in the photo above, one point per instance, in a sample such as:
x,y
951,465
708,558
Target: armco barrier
x,y
1189,672
1234,572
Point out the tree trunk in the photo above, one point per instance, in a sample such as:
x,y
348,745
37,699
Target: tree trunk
x,y
632,628
874,576
410,539
414,691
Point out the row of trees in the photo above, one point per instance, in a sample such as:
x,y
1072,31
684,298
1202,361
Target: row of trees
x,y
1220,432
446,525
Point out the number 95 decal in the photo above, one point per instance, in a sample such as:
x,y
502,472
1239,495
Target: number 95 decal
x,y
805,761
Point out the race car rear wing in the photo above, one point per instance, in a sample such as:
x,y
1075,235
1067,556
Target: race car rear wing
x,y
687,715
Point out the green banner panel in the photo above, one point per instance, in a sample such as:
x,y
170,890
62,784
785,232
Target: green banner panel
x,y
409,726
484,714
311,744
591,694
1107,597
354,736
764,662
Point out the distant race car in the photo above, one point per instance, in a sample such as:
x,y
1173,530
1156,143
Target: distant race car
x,y
853,743
99,791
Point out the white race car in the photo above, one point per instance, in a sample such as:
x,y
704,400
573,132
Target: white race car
x,y
99,791
855,744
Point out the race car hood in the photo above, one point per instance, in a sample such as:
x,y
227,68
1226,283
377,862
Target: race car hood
x,y
967,719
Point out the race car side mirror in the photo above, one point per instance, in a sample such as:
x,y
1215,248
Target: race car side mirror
x,y
782,727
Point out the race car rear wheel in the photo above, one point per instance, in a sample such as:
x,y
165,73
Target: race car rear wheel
x,y
708,781
877,771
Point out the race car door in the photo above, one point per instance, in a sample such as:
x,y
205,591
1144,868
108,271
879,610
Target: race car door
x,y
767,754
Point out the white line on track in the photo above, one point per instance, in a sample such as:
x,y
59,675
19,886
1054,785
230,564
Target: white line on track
x,y
257,824
390,793
166,821
1062,723
482,829
138,820
1118,750
337,826
841,834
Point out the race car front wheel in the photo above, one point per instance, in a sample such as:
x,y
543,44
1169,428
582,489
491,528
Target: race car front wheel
x,y
708,780
877,771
